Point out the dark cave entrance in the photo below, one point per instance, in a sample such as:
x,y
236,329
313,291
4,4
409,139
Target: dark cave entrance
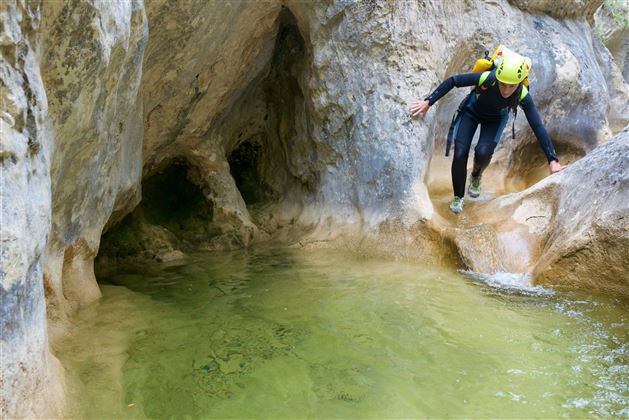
x,y
244,167
270,152
169,199
265,137
173,215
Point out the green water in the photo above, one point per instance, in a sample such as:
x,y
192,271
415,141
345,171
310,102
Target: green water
x,y
294,334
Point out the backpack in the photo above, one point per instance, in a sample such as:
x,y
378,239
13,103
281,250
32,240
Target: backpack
x,y
490,63
488,66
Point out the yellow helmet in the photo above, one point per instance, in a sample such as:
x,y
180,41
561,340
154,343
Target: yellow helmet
x,y
513,68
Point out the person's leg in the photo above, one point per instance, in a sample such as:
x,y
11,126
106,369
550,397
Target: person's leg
x,y
490,133
462,142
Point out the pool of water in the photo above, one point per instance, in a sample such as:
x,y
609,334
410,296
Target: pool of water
x,y
279,333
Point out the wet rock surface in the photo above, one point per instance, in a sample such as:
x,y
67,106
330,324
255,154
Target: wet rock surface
x,y
569,230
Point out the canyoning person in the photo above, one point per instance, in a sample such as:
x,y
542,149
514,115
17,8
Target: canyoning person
x,y
495,92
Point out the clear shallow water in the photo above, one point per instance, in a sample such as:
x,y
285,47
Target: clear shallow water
x,y
285,333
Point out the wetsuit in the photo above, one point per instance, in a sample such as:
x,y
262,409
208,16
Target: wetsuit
x,y
489,109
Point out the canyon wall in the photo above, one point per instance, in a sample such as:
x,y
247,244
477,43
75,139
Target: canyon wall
x,y
170,127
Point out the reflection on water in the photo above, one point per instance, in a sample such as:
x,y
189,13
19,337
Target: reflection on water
x,y
286,333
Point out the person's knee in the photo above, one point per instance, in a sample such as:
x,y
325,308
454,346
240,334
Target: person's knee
x,y
483,152
461,153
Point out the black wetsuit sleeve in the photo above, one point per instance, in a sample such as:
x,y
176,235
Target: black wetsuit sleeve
x,y
459,80
536,124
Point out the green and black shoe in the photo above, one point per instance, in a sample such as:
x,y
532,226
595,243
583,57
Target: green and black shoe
x,y
456,205
474,188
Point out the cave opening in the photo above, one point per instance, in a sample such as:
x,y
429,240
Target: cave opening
x,y
270,155
270,151
171,200
173,215
244,168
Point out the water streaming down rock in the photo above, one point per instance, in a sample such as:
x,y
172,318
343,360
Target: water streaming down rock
x,y
570,228
101,96
518,283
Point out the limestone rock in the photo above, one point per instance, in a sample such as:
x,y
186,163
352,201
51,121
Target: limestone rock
x,y
91,67
325,125
70,147
291,120
573,227
612,26
27,367
589,243
193,78
563,9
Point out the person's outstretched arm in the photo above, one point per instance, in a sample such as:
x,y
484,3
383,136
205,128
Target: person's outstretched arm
x,y
459,80
532,116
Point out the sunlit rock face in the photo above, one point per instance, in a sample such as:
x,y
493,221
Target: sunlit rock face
x,y
91,64
27,368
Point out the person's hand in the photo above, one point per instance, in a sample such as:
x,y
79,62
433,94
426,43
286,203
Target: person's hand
x,y
419,108
555,167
